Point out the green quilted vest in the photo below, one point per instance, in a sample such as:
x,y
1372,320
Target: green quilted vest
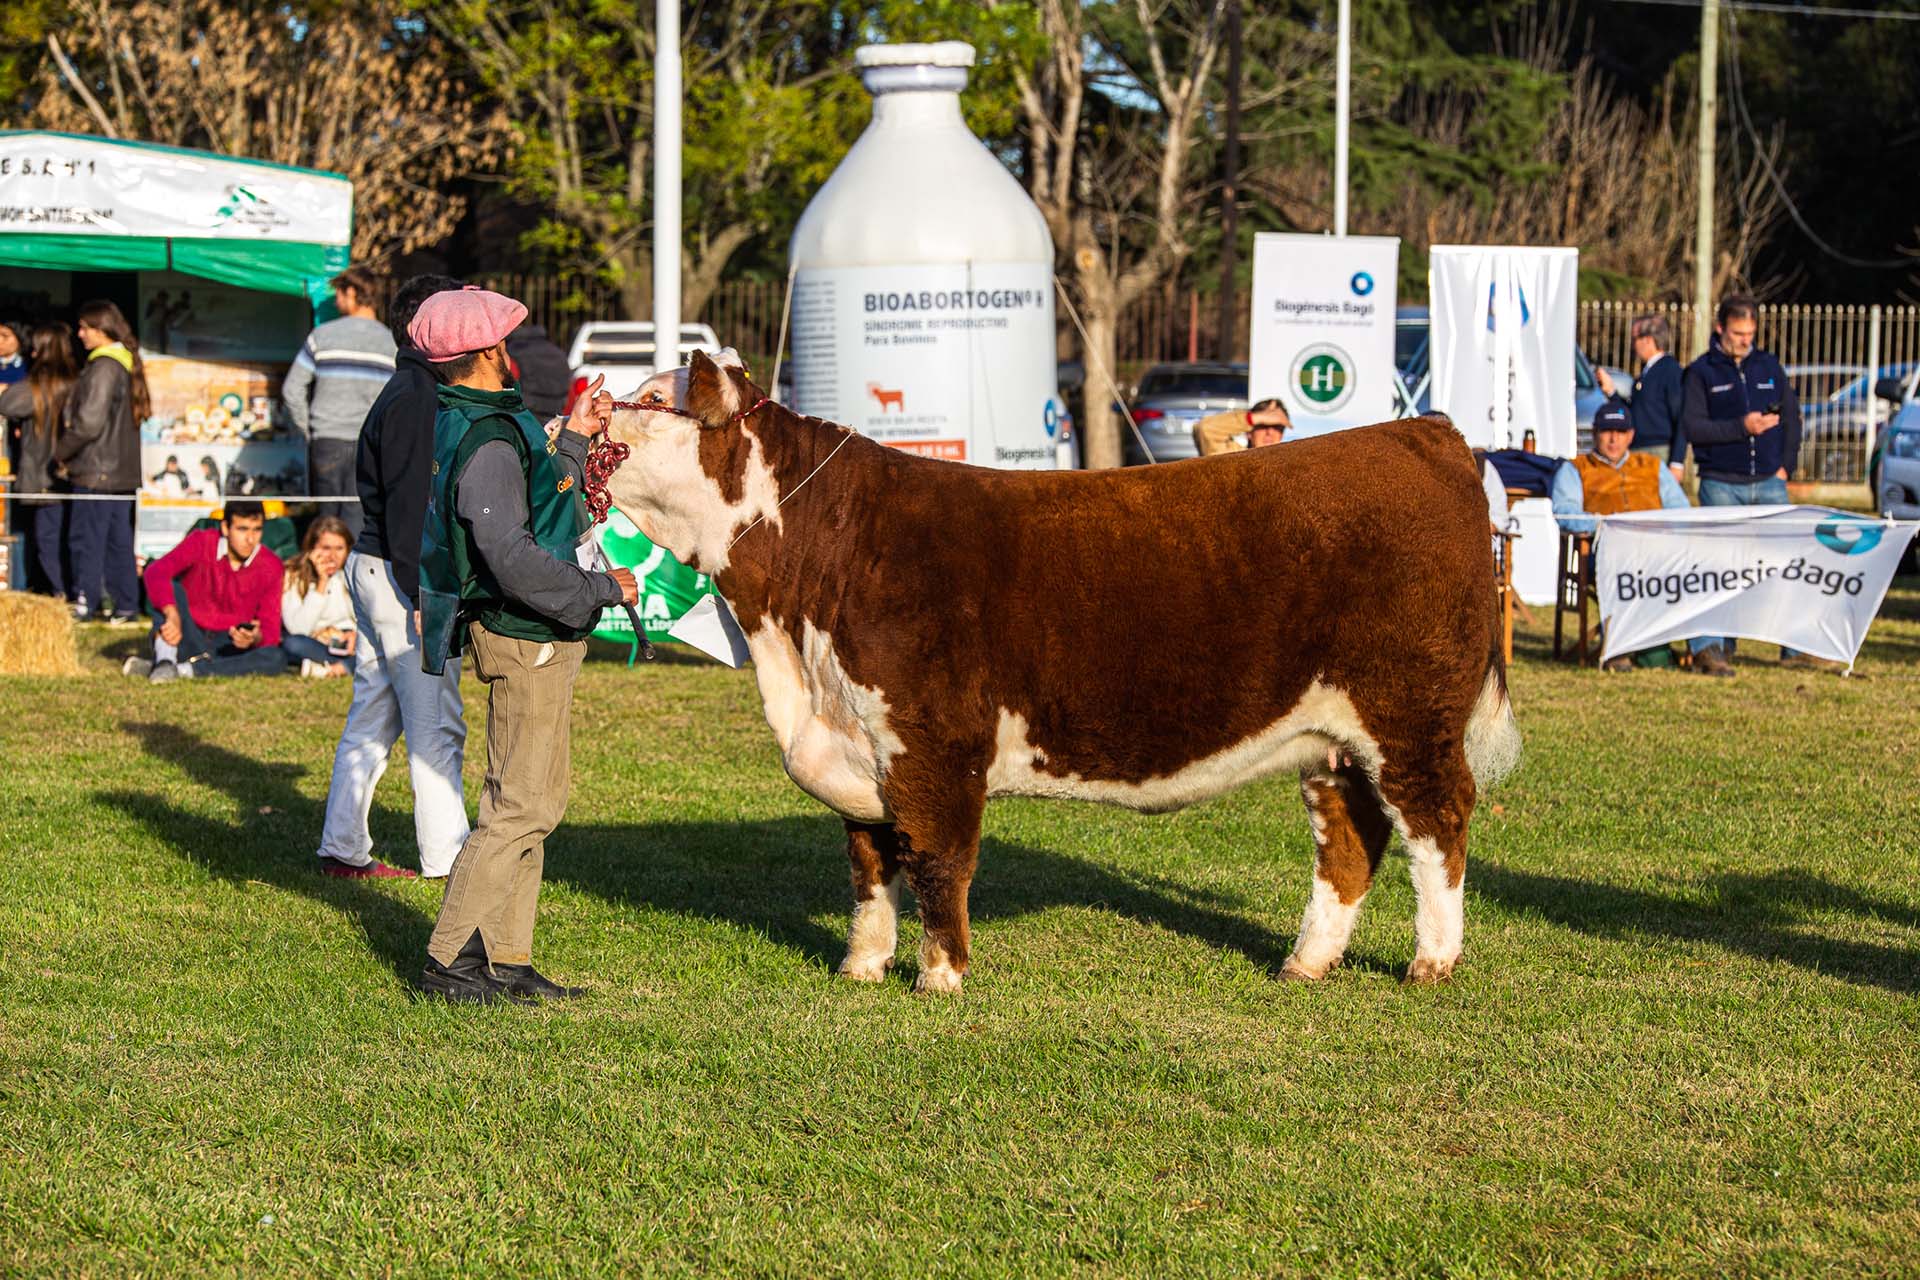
x,y
456,586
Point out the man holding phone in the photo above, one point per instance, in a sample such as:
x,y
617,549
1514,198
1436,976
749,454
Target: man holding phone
x,y
216,597
1742,418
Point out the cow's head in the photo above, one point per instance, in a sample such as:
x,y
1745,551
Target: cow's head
x,y
695,473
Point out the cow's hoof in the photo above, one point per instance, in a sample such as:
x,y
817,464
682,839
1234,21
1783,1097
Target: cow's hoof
x,y
943,981
1291,972
865,971
1426,971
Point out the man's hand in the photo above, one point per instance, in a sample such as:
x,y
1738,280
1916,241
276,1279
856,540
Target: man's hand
x,y
593,411
244,636
1605,380
170,624
1679,470
1781,474
629,587
1760,423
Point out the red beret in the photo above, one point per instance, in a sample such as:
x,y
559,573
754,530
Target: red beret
x,y
449,325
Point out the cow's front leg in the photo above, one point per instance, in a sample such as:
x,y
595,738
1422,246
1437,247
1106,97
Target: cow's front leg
x,y
874,852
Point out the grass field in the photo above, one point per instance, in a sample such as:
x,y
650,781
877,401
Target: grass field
x,y
1685,1038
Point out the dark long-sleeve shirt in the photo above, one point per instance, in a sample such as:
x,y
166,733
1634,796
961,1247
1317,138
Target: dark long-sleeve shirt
x,y
1656,408
395,466
492,501
1719,394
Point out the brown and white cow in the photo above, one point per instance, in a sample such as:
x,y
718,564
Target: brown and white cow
x,y
927,635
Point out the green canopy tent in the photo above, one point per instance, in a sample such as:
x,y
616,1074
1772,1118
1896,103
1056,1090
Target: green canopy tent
x,y
70,202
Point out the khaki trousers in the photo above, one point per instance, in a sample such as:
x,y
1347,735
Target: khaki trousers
x,y
495,883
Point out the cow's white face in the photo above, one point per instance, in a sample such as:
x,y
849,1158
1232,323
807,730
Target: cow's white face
x,y
668,484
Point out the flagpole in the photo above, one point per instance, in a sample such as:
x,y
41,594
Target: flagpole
x,y
666,185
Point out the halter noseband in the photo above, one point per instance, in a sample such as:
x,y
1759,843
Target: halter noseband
x,y
747,412
605,454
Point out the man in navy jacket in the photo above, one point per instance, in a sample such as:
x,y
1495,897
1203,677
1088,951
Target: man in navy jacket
x,y
1656,400
1743,420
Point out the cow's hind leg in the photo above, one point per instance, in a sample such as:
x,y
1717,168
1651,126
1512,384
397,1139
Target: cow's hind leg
x,y
1350,832
1430,804
874,851
941,833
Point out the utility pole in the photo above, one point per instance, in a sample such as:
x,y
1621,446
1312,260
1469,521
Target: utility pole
x,y
1703,229
1343,107
1228,343
666,185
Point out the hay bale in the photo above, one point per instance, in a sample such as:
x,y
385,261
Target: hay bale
x,y
36,636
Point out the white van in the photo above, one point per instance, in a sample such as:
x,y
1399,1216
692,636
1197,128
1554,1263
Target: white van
x,y
622,350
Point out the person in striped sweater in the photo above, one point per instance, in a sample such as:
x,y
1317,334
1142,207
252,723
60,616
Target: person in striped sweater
x,y
338,374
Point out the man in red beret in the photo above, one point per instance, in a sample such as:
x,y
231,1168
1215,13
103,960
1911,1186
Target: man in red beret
x,y
497,571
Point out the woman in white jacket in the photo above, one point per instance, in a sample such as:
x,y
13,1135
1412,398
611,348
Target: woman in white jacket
x,y
316,617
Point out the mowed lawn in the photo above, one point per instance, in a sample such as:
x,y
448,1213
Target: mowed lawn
x,y
1685,1038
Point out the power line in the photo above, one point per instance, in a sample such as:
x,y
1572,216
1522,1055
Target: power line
x,y
1797,10
1773,175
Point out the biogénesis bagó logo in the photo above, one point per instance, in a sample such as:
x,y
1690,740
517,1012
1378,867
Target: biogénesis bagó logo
x,y
1672,588
1323,375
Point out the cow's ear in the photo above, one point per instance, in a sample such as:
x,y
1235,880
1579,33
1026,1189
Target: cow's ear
x,y
713,393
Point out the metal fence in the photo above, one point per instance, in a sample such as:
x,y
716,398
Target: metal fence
x,y
1827,351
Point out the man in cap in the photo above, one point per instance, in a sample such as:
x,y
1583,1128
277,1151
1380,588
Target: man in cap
x,y
1611,478
1262,425
497,571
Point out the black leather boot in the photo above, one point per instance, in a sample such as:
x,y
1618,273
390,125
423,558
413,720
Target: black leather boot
x,y
468,979
527,983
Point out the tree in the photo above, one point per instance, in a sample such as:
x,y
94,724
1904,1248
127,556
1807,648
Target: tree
x,y
768,112
1114,115
351,89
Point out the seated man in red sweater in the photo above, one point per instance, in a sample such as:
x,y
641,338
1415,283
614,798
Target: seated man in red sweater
x,y
217,601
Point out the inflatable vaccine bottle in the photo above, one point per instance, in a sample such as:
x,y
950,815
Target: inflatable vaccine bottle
x,y
923,281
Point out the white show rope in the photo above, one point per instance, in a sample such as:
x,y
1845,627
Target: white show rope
x,y
780,347
1086,345
849,434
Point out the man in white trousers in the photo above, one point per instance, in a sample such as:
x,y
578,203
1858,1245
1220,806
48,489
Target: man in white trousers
x,y
392,695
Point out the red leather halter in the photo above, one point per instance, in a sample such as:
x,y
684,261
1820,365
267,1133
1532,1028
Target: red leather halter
x,y
605,454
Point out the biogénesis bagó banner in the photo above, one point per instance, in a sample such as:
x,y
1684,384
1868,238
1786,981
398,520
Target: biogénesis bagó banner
x,y
1321,330
1810,578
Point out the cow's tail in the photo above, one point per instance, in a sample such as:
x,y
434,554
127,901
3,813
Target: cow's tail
x,y
1493,739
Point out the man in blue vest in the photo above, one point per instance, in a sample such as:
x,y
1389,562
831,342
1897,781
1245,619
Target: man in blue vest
x,y
1741,416
497,571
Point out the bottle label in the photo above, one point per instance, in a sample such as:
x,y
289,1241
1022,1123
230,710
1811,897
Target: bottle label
x,y
952,360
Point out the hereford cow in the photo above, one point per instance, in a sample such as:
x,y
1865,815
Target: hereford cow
x,y
927,635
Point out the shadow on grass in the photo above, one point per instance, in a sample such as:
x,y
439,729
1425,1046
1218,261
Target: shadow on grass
x,y
775,877
1763,916
271,839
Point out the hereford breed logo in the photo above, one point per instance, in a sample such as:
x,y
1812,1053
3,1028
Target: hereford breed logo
x,y
898,399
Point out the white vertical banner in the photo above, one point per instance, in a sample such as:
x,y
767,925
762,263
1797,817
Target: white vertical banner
x,y
1322,328
1502,341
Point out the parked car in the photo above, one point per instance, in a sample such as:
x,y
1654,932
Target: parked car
x,y
1170,399
1893,471
1835,429
623,351
1412,354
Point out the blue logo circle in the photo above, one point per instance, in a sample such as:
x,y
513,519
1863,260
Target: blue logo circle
x,y
1362,283
1861,536
1051,415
